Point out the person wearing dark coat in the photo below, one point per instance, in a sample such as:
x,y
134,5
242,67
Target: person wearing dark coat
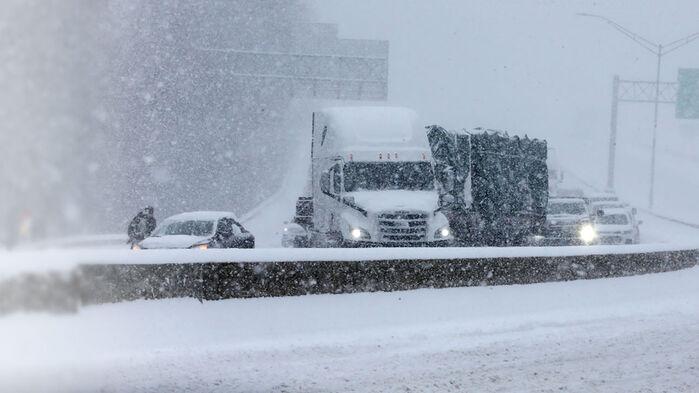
x,y
142,225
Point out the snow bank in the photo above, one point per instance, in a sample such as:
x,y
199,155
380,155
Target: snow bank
x,y
31,261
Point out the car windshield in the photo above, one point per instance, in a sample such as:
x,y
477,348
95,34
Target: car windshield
x,y
190,227
574,208
613,219
372,176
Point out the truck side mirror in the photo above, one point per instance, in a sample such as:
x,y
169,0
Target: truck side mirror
x,y
325,182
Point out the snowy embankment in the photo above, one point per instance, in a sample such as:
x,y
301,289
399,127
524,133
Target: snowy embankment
x,y
267,220
623,334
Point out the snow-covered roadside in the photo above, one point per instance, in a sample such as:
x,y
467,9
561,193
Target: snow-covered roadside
x,y
656,229
602,335
13,263
267,220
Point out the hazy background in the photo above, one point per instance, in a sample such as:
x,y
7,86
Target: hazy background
x,y
106,106
522,65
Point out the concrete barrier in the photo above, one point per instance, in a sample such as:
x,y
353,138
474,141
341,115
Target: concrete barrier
x,y
87,284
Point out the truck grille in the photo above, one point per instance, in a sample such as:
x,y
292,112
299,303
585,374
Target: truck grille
x,y
403,226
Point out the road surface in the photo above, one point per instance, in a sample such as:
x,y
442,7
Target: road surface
x,y
633,334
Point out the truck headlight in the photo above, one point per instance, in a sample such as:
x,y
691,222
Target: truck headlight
x,y
587,233
442,233
135,246
359,233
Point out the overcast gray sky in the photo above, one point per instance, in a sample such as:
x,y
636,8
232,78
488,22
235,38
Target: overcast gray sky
x,y
528,65
535,67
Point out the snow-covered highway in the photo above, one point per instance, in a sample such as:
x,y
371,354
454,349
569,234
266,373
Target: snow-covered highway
x,y
624,334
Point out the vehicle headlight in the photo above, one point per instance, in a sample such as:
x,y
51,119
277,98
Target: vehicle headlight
x,y
358,233
588,233
200,246
442,232
135,247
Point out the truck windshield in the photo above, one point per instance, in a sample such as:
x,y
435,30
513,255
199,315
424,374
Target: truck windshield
x,y
368,176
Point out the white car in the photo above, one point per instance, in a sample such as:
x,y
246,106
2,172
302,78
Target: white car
x,y
616,226
200,230
598,207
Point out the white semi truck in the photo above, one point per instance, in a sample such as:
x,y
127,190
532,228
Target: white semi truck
x,y
372,182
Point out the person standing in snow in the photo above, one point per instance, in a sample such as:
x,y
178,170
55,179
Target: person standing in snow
x,y
142,225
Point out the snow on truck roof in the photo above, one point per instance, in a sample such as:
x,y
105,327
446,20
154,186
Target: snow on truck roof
x,y
201,215
374,125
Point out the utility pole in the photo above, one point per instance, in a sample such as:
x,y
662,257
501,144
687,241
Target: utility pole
x,y
659,51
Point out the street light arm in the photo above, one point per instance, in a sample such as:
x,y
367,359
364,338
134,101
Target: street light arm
x,y
645,43
674,45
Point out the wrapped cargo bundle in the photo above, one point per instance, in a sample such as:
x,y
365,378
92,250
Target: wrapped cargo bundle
x,y
494,188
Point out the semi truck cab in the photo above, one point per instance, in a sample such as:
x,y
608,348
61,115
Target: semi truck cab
x,y
373,180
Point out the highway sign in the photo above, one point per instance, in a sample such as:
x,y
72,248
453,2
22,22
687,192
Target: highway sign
x,y
688,94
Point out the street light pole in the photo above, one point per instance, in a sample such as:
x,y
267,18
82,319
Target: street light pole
x,y
651,193
659,51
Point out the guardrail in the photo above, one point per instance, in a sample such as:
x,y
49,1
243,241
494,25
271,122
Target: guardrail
x,y
154,278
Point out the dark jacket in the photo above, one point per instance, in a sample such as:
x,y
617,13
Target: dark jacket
x,y
141,226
